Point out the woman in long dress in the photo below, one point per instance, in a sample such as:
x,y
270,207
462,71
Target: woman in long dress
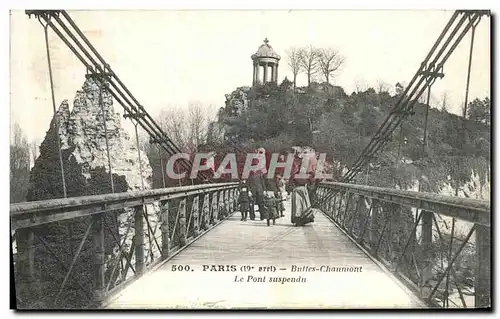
x,y
302,212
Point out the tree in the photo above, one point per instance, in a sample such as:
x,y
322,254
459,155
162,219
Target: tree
x,y
444,102
329,61
359,86
368,121
309,62
187,128
382,87
294,55
399,88
19,165
480,111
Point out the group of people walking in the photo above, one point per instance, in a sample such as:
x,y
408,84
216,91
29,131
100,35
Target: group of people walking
x,y
271,205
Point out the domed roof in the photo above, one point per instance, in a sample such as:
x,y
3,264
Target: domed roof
x,y
265,51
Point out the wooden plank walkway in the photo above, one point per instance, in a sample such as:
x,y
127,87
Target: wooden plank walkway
x,y
284,246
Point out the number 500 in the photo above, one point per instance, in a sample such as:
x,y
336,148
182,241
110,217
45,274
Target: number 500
x,y
181,268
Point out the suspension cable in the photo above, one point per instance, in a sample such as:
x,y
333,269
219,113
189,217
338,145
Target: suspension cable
x,y
101,84
56,120
424,140
400,111
469,67
142,188
464,115
138,154
162,169
117,89
427,73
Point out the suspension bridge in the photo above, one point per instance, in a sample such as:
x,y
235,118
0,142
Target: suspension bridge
x,y
199,254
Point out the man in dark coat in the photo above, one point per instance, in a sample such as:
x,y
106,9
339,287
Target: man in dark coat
x,y
258,186
244,200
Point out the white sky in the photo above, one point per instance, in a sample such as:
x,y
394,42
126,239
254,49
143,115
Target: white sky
x,y
171,58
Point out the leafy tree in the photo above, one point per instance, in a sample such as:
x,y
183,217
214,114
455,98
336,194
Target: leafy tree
x,y
342,125
480,111
368,121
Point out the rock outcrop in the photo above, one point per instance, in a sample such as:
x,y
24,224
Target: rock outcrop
x,y
237,101
82,135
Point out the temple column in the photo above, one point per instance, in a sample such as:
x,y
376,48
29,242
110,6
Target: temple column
x,y
272,73
265,73
255,67
276,73
257,75
253,76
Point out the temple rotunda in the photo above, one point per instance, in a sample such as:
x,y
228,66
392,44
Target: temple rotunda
x,y
266,58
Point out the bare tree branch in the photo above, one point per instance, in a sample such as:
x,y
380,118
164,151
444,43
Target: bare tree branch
x,y
382,87
309,62
294,56
188,128
444,101
329,61
360,86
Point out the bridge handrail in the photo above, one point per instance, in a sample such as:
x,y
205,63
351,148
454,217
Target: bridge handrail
x,y
467,209
107,259
440,264
29,214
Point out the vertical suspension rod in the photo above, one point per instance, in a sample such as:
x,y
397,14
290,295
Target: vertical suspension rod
x,y
56,120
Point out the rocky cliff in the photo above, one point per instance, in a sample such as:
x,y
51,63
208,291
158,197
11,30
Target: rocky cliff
x,y
237,101
84,153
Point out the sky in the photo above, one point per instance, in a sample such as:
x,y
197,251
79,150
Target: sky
x,y
172,58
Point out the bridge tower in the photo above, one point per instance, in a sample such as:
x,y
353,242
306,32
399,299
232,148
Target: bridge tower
x,y
268,59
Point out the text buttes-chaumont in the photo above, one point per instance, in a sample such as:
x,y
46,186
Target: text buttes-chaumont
x,y
326,268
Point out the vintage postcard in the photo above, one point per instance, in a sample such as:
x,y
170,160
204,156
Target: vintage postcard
x,y
250,159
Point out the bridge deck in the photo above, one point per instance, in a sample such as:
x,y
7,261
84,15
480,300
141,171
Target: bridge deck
x,y
235,242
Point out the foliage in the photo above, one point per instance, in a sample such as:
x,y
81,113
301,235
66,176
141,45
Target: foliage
x,y
188,128
324,117
480,111
19,165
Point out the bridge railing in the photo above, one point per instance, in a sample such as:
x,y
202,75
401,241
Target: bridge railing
x,y
424,239
78,252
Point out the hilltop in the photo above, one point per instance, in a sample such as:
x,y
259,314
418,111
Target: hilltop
x,y
327,119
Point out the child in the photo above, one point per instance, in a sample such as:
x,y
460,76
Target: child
x,y
270,204
244,200
251,205
279,204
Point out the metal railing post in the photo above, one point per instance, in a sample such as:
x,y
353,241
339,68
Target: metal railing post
x,y
426,273
482,284
139,241
182,222
99,261
165,234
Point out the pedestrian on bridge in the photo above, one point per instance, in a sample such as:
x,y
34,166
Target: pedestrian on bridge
x,y
271,205
251,205
280,206
244,200
302,211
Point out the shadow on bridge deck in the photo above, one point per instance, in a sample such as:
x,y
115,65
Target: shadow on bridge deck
x,y
283,245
